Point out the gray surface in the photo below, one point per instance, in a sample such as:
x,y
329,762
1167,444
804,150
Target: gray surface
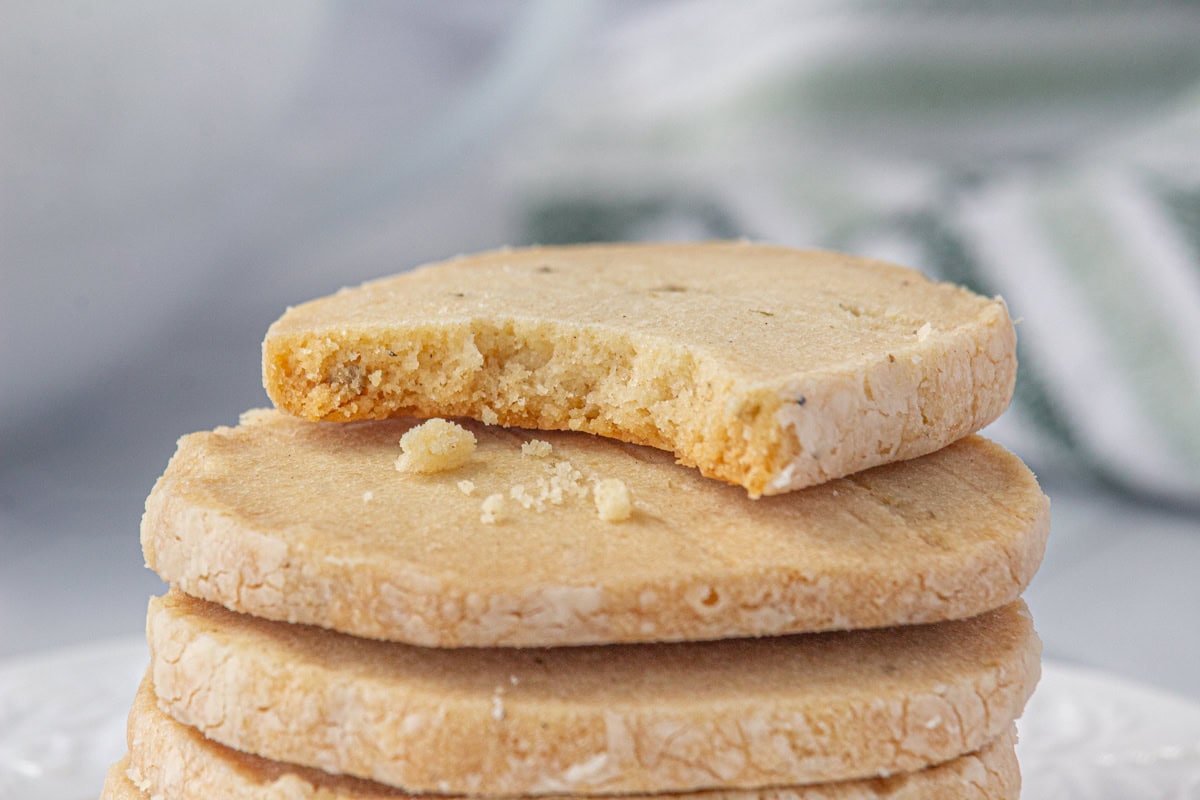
x,y
1118,589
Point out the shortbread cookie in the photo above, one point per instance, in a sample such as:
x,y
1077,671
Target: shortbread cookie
x,y
174,762
770,368
118,786
312,523
737,713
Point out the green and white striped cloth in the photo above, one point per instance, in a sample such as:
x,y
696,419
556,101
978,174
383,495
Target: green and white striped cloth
x,y
1046,152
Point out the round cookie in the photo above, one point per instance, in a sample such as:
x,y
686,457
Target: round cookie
x,y
312,523
174,762
766,367
737,713
118,786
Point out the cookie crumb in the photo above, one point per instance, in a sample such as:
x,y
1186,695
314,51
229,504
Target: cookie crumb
x,y
488,416
523,497
497,706
256,416
467,487
536,448
492,509
566,481
436,445
612,500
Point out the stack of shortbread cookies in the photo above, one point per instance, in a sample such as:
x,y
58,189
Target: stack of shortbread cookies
x,y
608,520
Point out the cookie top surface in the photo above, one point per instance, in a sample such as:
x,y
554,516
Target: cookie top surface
x,y
739,713
313,523
763,366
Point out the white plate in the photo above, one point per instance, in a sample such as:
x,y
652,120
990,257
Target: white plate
x,y
1087,735
62,718
1084,736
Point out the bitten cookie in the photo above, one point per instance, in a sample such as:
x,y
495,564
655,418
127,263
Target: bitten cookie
x,y
174,762
561,538
738,713
766,367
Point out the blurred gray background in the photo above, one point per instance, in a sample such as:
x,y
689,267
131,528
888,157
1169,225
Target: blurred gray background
x,y
174,174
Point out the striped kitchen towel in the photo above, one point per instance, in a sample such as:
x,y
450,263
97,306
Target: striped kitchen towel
x,y
1046,152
